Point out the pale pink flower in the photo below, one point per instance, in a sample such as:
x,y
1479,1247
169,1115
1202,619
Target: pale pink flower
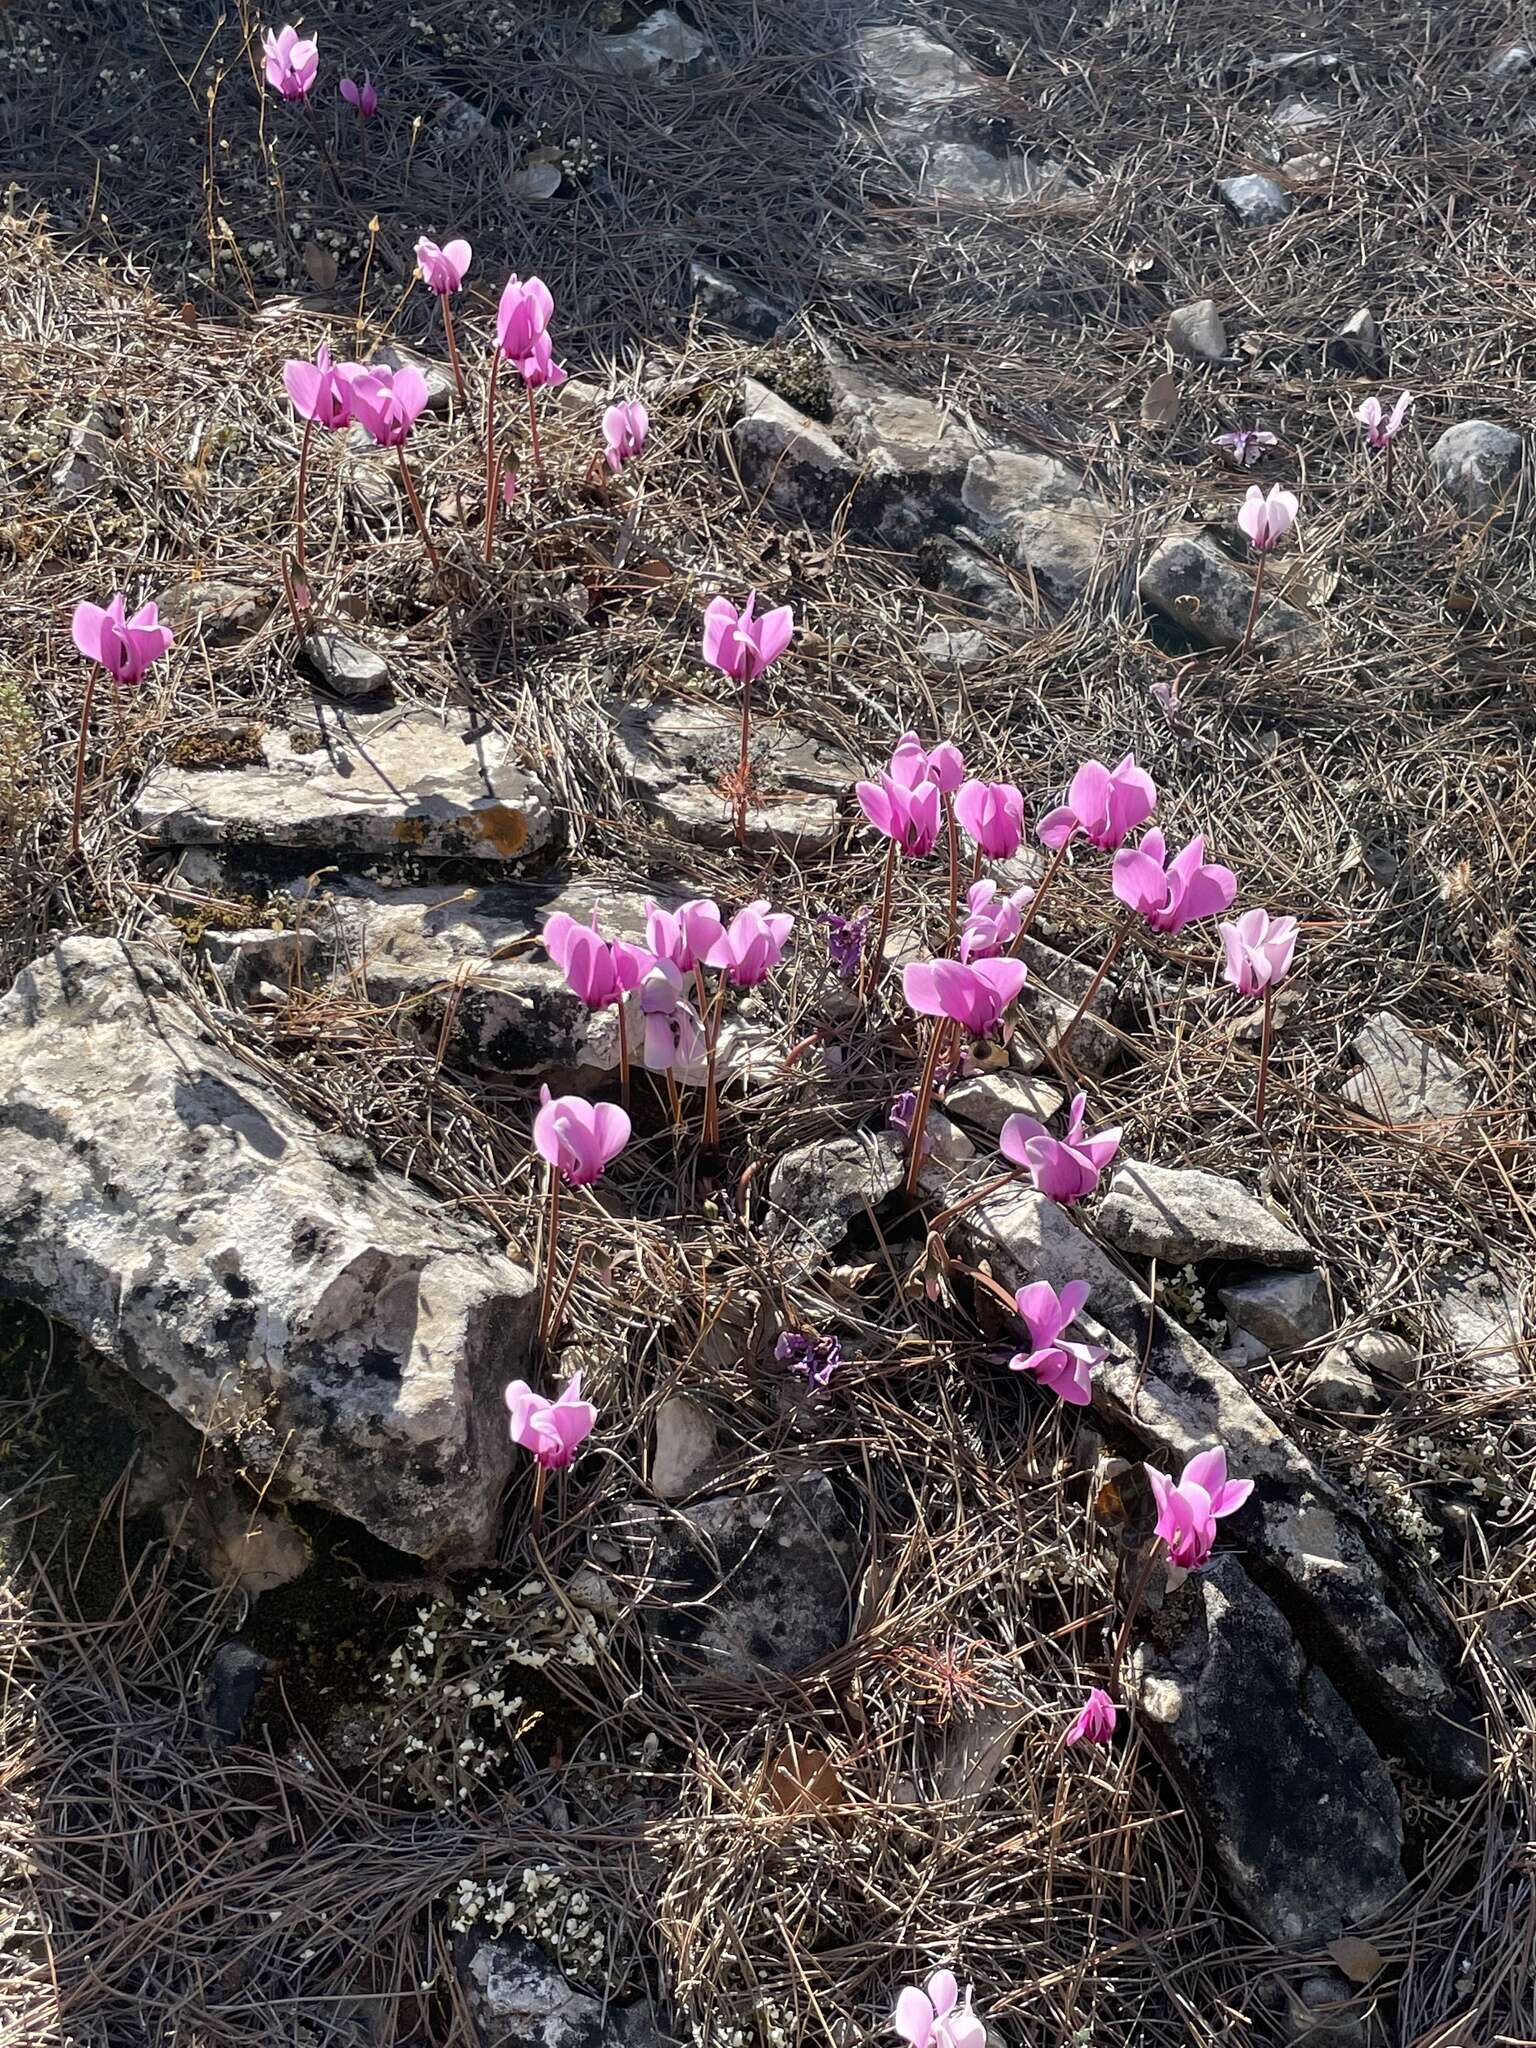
x,y
553,1430
1245,447
1267,520
974,996
685,935
933,2018
1258,950
1096,1720
364,97
523,316
598,970
320,391
992,815
742,646
442,269
992,921
673,1038
292,62
748,949
908,814
1187,1513
1104,804
1066,1168
912,763
1066,1368
1380,432
1170,894
124,647
625,427
577,1137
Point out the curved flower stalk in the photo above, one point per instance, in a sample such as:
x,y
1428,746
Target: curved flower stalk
x,y
442,270
125,648
742,646
953,992
387,404
579,1140
933,2017
1257,952
1066,1368
1264,521
1065,1169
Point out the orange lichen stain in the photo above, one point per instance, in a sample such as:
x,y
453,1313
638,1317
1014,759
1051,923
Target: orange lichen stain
x,y
506,830
411,831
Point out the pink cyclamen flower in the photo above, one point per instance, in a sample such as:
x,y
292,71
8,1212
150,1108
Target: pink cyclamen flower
x,y
388,403
522,316
1171,896
1381,432
992,921
974,996
1258,950
1104,804
364,97
320,391
992,816
539,369
1066,1168
1096,1720
125,647
748,949
1267,520
673,1039
1246,446
442,268
685,935
600,971
292,63
625,427
909,816
1187,1514
929,2018
577,1137
742,646
912,763
1066,1368
553,1430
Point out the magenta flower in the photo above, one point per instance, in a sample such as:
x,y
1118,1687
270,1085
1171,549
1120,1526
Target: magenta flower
x,y
992,921
553,1430
748,949
363,97
577,1137
523,316
124,647
319,391
1066,1168
1187,1514
625,427
974,996
386,402
1104,804
911,817
1246,446
943,765
539,369
742,646
1381,432
992,815
685,935
1096,1721
1267,520
674,1038
1172,896
1064,1367
597,970
292,63
442,269
1258,951
929,2019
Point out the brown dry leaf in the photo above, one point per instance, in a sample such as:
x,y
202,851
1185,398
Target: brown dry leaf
x,y
188,314
1160,406
1359,1959
806,1782
320,265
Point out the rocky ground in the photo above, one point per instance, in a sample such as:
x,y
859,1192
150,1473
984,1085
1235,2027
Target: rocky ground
x,y
318,1727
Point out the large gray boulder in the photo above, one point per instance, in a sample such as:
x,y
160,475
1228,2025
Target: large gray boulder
x,y
1190,581
323,1321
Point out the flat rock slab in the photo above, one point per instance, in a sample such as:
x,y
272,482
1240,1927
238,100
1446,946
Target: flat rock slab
x,y
1404,1079
324,1322
988,1100
1037,515
361,783
898,436
1298,1807
914,79
751,1582
520,1998
1283,1310
1367,1616
1190,581
662,46
676,758
1483,1319
965,174
1182,1215
820,1188
790,460
1048,1002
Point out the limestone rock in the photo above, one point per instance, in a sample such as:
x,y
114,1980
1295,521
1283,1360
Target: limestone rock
x,y
1189,580
1048,1002
1298,1808
1198,332
789,459
960,648
1336,1386
1405,1079
675,757
976,582
1357,345
246,961
336,1329
79,470
685,1447
1478,465
1256,201
821,1187
361,783
663,46
1384,1351
988,1100
1283,1310
967,175
217,609
345,665
1481,1316
916,82
1183,1216
1513,60
753,1581
898,436
520,1999
729,303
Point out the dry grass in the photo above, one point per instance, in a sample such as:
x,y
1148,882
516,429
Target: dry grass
x,y
1383,790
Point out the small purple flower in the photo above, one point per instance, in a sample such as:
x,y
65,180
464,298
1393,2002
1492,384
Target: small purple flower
x,y
846,938
816,1357
899,1117
1246,447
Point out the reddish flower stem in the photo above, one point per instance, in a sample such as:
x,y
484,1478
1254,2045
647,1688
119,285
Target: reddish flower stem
x,y
1094,986
954,870
298,498
1253,609
490,453
711,1133
85,726
533,433
1138,1593
421,524
947,1216
1033,906
623,1054
453,350
1269,1003
551,1235
923,1104
744,765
